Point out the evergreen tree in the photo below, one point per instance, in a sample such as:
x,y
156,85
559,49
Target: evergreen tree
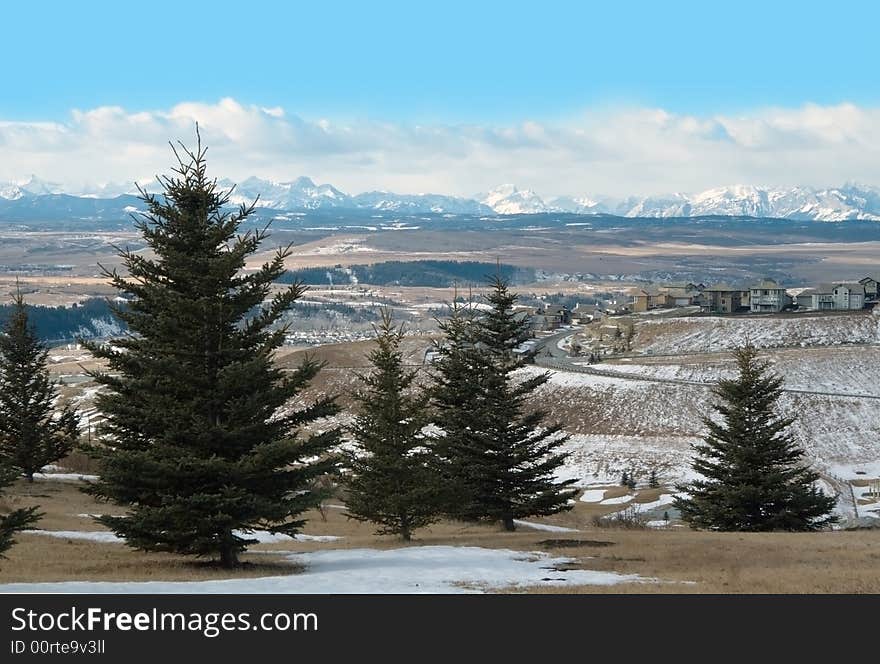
x,y
497,457
624,479
653,482
32,432
200,442
392,484
16,520
755,475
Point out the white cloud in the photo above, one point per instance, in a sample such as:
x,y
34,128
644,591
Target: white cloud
x,y
627,151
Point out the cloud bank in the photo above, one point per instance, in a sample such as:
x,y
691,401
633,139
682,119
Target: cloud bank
x,y
615,152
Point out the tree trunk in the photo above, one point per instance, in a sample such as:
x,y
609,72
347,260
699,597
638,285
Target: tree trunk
x,y
229,552
508,524
405,532
30,477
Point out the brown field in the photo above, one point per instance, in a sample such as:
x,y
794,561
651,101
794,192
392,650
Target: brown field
x,y
681,560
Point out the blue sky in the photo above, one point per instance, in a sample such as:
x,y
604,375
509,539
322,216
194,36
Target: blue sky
x,y
437,61
567,98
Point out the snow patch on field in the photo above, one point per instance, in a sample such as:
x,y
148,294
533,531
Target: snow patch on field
x,y
83,535
619,500
265,537
663,501
65,477
593,495
418,569
545,526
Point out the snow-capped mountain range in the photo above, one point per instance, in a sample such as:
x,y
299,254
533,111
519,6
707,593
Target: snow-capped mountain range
x,y
844,203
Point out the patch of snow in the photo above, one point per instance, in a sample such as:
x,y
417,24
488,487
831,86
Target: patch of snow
x,y
619,500
417,569
665,499
593,495
65,477
85,535
545,526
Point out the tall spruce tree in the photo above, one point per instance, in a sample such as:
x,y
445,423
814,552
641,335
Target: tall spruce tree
x,y
33,432
755,476
199,441
497,455
392,482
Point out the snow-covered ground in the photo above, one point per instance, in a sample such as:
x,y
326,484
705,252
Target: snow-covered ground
x,y
417,569
847,369
688,335
623,425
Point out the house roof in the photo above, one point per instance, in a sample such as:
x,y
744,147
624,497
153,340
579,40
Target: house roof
x,y
827,288
870,277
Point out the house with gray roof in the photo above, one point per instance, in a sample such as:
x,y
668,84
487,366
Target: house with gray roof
x,y
841,296
767,296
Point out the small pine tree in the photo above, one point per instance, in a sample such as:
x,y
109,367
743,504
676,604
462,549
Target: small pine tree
x,y
624,479
200,443
33,432
653,481
754,474
391,482
631,481
499,457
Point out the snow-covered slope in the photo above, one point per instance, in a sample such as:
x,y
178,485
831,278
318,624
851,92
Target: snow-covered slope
x,y
10,191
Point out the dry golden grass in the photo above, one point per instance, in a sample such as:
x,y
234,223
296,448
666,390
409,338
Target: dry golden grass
x,y
681,560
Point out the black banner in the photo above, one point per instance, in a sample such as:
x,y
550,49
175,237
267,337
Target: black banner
x,y
264,628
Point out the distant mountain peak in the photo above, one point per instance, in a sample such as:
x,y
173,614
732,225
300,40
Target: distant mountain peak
x,y
508,199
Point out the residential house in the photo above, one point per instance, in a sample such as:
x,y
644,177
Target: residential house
x,y
678,296
804,299
556,314
648,298
871,284
841,296
768,296
548,316
722,299
584,313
